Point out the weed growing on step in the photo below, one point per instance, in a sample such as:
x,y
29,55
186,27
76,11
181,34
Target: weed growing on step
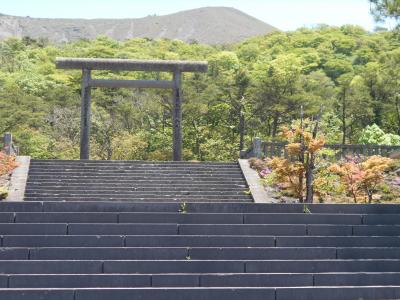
x,y
183,209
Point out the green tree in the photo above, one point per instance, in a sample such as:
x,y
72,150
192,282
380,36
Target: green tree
x,y
383,9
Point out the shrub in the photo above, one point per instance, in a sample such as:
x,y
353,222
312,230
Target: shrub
x,y
7,164
258,164
296,173
362,178
374,135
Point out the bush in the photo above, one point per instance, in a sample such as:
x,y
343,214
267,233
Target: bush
x,y
129,147
7,164
258,164
374,135
361,178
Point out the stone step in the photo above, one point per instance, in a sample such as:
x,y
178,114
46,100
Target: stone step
x,y
208,253
147,164
87,206
63,241
209,190
196,266
144,171
138,182
180,253
189,218
198,280
50,228
302,293
137,241
50,162
135,199
136,179
136,175
260,241
144,185
342,241
336,293
135,169
125,193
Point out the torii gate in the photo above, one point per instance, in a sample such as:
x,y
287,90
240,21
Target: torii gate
x,y
89,64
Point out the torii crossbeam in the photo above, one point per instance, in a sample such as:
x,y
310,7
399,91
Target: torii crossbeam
x,y
89,64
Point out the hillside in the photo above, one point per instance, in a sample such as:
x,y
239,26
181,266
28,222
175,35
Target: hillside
x,y
209,25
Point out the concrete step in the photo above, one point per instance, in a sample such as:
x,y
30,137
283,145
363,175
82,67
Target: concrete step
x,y
335,293
106,253
196,266
182,253
94,206
63,241
132,192
320,266
186,218
139,293
134,164
37,162
342,241
57,189
136,199
260,241
76,227
303,293
197,280
122,229
130,253
116,194
143,185
115,178
136,172
90,240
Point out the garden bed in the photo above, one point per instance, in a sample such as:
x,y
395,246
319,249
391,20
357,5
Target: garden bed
x,y
329,186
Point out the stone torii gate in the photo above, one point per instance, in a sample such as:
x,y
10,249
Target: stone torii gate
x,y
89,64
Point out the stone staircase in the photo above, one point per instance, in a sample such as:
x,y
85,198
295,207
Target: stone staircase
x,y
126,250
143,248
135,181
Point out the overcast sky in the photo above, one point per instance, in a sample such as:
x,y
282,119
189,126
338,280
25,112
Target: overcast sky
x,y
283,14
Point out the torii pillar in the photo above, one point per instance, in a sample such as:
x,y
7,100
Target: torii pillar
x,y
89,64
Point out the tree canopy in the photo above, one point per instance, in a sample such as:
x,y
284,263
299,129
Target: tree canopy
x,y
252,89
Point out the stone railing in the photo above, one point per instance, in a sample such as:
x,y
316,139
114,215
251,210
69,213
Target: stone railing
x,y
8,146
269,149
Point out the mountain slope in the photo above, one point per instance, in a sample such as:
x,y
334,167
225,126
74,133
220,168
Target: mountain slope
x,y
209,25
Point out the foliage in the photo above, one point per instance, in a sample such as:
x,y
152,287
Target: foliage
x,y
288,175
252,89
374,135
361,178
7,164
128,147
296,172
3,192
386,9
258,164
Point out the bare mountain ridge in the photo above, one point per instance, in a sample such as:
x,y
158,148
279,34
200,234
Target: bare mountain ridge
x,y
209,25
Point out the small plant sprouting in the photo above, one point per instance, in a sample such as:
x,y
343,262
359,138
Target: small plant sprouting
x,y
306,210
247,192
183,209
188,257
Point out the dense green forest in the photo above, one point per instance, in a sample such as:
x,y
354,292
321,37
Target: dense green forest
x,y
251,89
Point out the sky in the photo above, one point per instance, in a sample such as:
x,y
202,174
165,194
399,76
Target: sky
x,y
283,14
